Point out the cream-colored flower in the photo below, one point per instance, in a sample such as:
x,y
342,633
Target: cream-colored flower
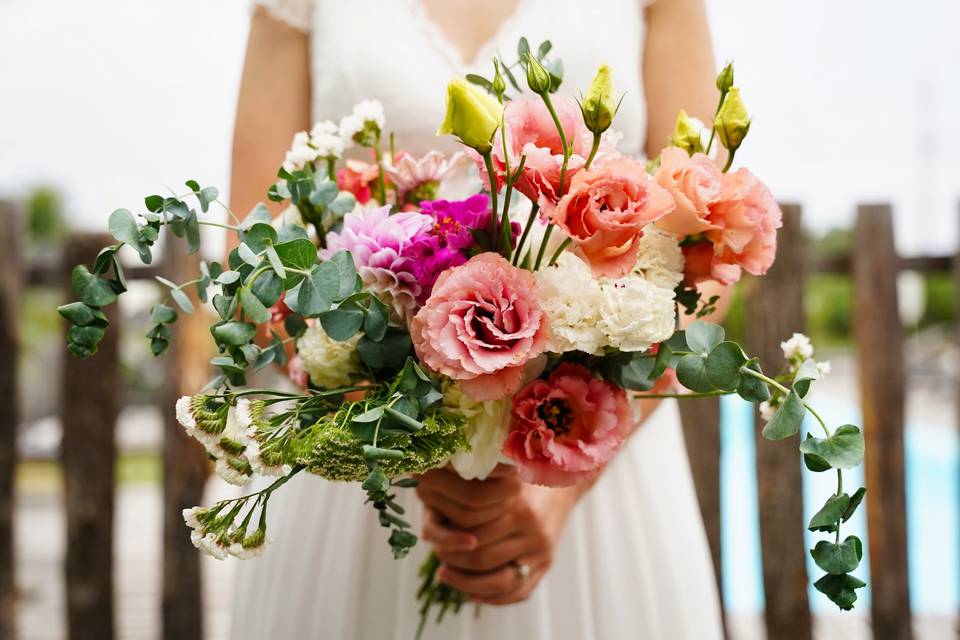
x,y
660,260
571,297
824,368
486,429
329,363
234,469
798,347
300,153
635,313
767,410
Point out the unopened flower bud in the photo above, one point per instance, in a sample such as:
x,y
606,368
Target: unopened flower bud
x,y
538,78
472,115
499,85
732,122
725,79
597,107
686,134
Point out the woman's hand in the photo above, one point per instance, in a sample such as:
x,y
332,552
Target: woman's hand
x,y
483,543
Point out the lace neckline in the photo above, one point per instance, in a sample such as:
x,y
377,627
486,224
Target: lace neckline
x,y
453,53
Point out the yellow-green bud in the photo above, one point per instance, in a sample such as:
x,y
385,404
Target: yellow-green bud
x,y
686,134
538,78
499,84
732,121
472,115
725,79
597,106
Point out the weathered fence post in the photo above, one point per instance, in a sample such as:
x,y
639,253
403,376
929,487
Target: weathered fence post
x,y
88,451
775,308
185,465
700,419
10,275
879,337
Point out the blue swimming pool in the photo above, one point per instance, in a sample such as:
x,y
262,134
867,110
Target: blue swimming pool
x,y
933,477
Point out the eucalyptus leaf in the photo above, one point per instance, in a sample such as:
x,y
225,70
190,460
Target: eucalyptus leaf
x,y
253,307
830,513
752,388
841,589
228,277
258,214
371,453
226,306
299,253
692,373
163,314
804,376
787,420
91,290
376,318
247,255
258,236
275,263
855,501
341,324
182,300
191,227
838,559
703,336
78,313
842,450
233,333
723,366
268,287
814,462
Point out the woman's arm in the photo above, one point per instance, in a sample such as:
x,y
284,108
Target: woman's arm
x,y
274,104
480,558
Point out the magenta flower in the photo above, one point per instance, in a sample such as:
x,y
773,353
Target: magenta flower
x,y
378,241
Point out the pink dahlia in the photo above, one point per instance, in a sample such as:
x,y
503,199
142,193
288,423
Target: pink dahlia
x,y
481,325
565,428
377,241
418,179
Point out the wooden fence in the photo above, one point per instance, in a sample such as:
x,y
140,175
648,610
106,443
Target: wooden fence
x,y
776,302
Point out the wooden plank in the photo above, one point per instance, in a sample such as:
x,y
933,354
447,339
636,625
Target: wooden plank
x,y
88,452
700,419
774,312
924,264
185,464
10,272
880,362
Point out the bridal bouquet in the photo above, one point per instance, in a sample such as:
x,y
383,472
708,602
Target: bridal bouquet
x,y
514,325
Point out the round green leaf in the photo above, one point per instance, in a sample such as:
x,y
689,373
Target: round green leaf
x,y
830,513
253,307
259,236
233,334
341,324
787,420
837,559
702,336
91,290
723,366
692,373
843,450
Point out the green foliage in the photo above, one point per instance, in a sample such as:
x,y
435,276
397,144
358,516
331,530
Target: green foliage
x,y
45,220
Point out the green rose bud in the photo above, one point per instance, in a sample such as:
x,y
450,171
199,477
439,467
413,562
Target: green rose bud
x,y
499,84
686,134
472,115
597,106
732,121
725,79
538,78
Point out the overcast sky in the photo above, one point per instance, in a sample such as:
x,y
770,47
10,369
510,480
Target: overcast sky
x,y
852,101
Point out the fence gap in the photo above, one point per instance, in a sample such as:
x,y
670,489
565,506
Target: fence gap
x,y
774,312
88,453
880,362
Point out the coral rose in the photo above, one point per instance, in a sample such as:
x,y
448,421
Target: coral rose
x,y
605,211
695,182
565,428
481,325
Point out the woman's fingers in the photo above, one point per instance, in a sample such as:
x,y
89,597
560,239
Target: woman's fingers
x,y
502,586
489,558
471,493
461,516
443,537
495,531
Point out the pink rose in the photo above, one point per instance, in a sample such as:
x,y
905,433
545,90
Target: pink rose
x,y
565,428
532,132
695,182
746,221
480,325
605,210
297,373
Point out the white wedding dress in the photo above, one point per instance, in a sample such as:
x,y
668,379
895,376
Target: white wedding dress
x,y
634,560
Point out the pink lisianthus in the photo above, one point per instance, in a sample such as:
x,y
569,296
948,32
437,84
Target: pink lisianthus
x,y
378,241
695,182
565,428
605,210
747,219
297,372
532,132
481,325
418,179
356,178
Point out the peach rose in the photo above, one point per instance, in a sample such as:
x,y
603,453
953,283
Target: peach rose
x,y
695,182
605,211
532,132
747,218
481,325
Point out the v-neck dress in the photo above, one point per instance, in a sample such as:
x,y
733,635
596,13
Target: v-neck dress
x,y
633,562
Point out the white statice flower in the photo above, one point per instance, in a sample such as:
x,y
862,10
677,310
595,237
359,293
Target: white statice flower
x,y
184,414
191,517
301,152
244,423
214,545
486,430
571,297
186,408
635,314
227,468
660,260
237,550
326,139
798,347
252,453
824,368
767,410
329,363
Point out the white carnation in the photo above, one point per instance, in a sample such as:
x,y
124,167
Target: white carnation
x,y
330,363
634,313
300,153
323,128
325,138
369,111
797,347
350,126
571,297
486,429
660,260
767,410
824,368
